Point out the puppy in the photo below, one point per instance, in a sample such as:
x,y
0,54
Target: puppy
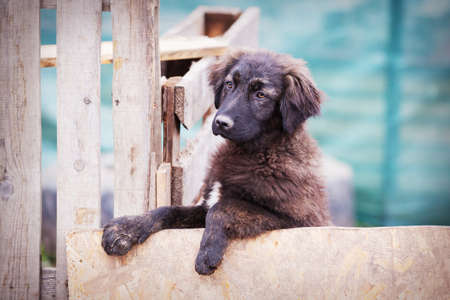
x,y
265,176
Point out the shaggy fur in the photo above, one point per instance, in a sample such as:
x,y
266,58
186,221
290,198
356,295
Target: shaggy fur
x,y
265,177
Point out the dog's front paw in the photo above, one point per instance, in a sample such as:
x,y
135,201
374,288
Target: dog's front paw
x,y
120,234
207,261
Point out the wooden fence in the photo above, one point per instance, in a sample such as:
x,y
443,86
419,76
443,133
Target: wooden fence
x,y
144,171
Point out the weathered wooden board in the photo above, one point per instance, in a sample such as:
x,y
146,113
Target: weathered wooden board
x,y
193,95
78,95
171,48
20,150
48,284
192,25
302,263
153,170
163,178
245,30
181,47
51,4
171,140
136,102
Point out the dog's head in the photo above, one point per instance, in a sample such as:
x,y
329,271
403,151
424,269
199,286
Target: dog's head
x,y
259,91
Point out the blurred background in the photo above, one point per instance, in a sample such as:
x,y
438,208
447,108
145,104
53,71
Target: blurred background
x,y
385,67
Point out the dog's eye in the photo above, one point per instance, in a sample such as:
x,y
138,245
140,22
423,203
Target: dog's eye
x,y
229,84
260,95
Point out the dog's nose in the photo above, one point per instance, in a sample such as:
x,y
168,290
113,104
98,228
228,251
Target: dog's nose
x,y
224,122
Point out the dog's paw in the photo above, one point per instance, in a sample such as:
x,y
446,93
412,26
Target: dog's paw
x,y
207,261
120,235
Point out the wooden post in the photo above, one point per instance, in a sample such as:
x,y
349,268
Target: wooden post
x,y
171,141
20,150
163,196
136,102
78,95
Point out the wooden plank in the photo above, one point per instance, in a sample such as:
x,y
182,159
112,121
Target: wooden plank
x,y
181,47
171,144
20,150
176,185
48,284
136,102
300,263
153,170
51,4
171,141
245,30
171,48
191,101
163,177
235,11
48,4
78,120
192,25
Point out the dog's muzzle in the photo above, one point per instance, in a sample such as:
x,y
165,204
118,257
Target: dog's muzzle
x,y
222,124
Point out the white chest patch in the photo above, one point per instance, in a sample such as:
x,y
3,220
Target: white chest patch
x,y
214,195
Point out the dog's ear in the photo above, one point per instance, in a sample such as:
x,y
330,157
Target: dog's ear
x,y
219,70
301,99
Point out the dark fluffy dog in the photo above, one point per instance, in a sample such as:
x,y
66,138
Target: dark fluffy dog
x,y
264,177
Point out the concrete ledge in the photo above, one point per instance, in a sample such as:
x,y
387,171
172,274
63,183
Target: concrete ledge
x,y
303,263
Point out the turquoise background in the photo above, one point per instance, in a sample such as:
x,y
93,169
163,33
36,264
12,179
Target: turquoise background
x,y
385,66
